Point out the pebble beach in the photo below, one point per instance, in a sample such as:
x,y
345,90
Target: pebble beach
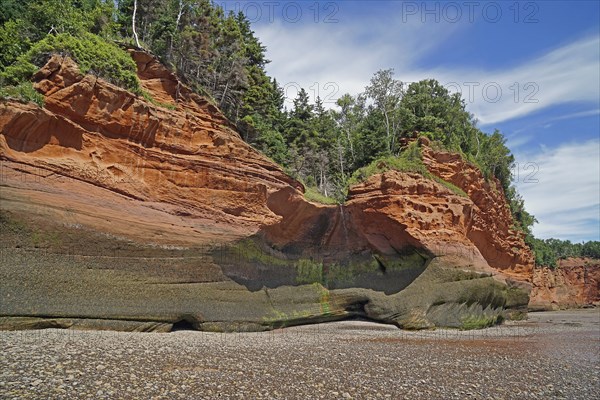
x,y
551,355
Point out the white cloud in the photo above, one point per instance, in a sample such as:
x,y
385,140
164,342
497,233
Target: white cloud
x,y
515,141
346,53
567,74
519,137
566,197
349,52
581,114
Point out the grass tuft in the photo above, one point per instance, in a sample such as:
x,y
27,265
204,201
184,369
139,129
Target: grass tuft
x,y
23,91
312,194
410,160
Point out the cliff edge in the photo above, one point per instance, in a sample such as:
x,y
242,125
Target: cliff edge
x,y
140,212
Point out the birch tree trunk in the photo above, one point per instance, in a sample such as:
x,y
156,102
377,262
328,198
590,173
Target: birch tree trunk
x,y
137,42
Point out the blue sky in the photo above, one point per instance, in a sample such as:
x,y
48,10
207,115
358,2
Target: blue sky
x,y
530,69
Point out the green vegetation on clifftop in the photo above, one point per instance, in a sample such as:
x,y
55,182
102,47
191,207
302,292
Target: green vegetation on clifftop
x,y
549,251
93,55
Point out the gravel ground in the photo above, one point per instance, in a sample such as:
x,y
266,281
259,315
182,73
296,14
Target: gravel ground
x,y
553,355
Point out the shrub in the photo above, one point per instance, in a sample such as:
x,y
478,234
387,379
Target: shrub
x,y
13,42
455,189
92,53
146,95
410,160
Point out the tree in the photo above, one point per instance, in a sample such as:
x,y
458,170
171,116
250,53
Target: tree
x,y
548,252
270,141
591,249
347,120
427,106
386,93
495,159
74,17
300,135
371,143
326,135
13,42
11,10
298,130
135,35
523,219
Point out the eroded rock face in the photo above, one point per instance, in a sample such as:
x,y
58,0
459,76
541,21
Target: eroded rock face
x,y
488,222
165,214
187,157
575,282
442,220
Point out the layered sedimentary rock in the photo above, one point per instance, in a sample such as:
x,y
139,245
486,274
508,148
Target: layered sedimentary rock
x,y
489,221
575,282
187,157
137,212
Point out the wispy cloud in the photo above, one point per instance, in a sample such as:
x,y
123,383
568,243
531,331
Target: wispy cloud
x,y
520,137
349,52
346,54
581,114
561,187
515,141
565,75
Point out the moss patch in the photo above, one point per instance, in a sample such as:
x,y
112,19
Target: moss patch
x,y
309,271
312,194
480,321
410,160
516,297
249,250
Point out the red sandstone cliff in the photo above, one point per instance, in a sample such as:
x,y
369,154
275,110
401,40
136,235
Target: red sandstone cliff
x,y
180,164
172,174
186,160
575,282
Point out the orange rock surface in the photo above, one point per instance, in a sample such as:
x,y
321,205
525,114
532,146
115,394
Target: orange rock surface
x,y
175,172
575,282
186,160
489,221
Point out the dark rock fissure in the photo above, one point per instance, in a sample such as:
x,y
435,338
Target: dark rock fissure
x,y
183,325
